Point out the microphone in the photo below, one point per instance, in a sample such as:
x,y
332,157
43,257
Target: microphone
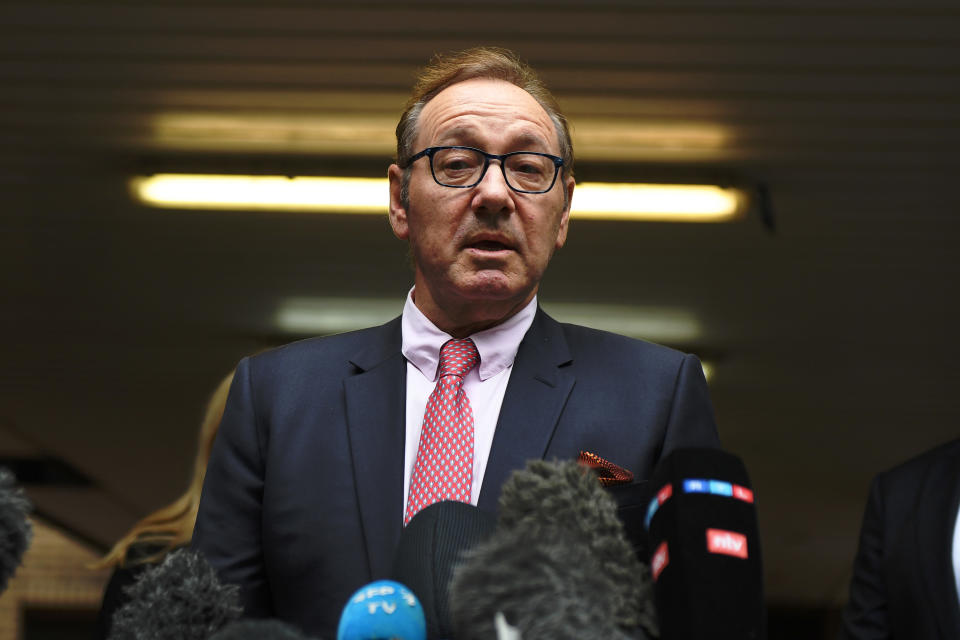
x,y
382,610
259,629
543,588
705,547
558,565
16,532
431,545
180,599
563,497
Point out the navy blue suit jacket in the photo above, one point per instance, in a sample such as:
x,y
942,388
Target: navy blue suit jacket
x,y
302,502
903,585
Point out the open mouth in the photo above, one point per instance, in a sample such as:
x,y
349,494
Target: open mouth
x,y
490,245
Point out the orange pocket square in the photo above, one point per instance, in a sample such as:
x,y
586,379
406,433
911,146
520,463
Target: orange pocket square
x,y
608,473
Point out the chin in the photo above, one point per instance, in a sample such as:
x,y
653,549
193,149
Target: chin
x,y
499,289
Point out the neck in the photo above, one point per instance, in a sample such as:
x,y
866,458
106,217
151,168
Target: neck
x,y
465,318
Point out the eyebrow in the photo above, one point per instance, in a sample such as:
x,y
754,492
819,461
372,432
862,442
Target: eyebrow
x,y
457,134
528,139
467,133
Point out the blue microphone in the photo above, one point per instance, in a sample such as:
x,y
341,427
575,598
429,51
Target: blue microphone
x,y
383,610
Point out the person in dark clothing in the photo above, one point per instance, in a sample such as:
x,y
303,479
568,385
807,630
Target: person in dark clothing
x,y
906,576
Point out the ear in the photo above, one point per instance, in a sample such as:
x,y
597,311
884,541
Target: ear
x,y
568,185
398,212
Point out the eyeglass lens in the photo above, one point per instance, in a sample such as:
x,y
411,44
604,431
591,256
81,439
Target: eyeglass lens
x,y
464,168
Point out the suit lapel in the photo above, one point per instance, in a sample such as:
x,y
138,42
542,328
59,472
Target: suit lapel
x,y
375,404
538,389
935,518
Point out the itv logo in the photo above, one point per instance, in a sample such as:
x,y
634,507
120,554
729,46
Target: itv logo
x,y
729,543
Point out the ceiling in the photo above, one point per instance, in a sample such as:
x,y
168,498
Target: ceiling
x,y
828,313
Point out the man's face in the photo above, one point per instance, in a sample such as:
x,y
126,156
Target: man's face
x,y
481,250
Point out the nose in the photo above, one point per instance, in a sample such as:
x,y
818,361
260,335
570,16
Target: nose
x,y
492,192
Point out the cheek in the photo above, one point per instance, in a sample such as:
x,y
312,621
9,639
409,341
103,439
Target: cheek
x,y
543,233
433,237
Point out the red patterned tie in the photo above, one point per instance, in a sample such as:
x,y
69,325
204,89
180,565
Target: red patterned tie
x,y
444,466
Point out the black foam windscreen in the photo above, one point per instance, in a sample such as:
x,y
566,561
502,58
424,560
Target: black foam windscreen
x,y
546,587
431,546
180,599
563,497
260,629
558,565
704,547
16,532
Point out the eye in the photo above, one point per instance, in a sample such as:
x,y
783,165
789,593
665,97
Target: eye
x,y
457,160
528,168
456,164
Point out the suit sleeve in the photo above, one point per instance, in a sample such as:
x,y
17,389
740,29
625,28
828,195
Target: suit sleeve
x,y
228,529
691,422
865,616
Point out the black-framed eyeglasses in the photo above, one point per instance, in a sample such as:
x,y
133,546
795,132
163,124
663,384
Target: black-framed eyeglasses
x,y
464,167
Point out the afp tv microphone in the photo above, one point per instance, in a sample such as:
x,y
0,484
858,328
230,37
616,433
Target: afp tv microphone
x,y
705,548
382,610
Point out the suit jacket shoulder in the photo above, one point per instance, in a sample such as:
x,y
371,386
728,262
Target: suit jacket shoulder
x,y
908,477
902,585
652,375
594,347
347,352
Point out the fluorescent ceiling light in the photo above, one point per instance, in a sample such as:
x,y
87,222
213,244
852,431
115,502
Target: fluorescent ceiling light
x,y
308,316
708,369
347,124
276,193
659,324
325,316
628,140
674,202
333,133
608,201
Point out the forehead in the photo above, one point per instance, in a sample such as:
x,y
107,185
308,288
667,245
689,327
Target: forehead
x,y
484,112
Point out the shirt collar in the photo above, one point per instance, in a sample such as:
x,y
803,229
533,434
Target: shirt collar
x,y
497,345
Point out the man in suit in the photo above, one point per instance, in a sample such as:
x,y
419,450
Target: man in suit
x,y
323,445
905,576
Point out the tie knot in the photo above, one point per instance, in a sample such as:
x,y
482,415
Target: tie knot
x,y
457,357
